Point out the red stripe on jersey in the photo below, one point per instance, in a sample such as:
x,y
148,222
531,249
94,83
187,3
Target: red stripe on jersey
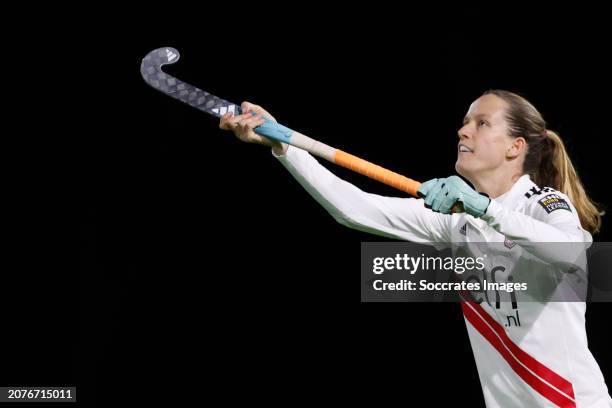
x,y
534,365
544,389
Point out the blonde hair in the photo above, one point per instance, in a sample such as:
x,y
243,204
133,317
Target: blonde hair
x,y
547,160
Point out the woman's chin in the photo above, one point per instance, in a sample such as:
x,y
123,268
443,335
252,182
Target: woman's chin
x,y
462,168
459,166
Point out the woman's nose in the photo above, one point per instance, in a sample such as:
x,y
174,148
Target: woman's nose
x,y
463,133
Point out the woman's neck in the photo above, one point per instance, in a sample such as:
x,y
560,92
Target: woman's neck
x,y
494,185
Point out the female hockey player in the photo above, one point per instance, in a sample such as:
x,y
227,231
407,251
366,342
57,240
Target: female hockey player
x,y
526,192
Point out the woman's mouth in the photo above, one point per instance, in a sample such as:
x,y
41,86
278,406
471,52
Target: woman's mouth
x,y
464,149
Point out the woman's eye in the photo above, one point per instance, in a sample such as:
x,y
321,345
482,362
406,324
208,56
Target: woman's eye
x,y
482,123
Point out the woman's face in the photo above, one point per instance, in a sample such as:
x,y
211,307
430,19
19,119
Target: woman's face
x,y
483,139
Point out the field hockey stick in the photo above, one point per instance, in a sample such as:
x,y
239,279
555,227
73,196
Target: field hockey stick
x,y
189,94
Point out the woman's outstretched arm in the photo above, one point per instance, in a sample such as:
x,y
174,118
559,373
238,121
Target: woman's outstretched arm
x,y
394,217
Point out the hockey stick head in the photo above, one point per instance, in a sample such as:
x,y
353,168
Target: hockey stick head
x,y
150,68
151,72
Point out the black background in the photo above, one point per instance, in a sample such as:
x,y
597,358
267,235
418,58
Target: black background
x,y
204,268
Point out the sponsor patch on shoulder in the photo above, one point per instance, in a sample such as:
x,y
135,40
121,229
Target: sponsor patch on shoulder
x,y
552,202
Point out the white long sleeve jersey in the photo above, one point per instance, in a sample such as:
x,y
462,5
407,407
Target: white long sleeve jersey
x,y
533,354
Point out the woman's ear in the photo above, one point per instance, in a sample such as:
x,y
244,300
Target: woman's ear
x,y
517,147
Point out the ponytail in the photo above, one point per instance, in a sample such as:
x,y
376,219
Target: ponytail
x,y
547,161
557,171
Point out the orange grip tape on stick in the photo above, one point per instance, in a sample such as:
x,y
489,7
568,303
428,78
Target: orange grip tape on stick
x,y
375,172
